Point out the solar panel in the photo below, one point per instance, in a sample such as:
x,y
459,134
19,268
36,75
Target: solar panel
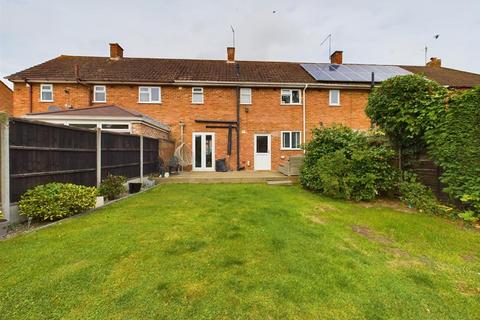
x,y
352,73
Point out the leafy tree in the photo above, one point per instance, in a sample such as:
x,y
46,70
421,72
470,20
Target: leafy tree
x,y
405,107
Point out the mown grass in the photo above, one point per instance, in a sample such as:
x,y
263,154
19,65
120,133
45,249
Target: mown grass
x,y
243,252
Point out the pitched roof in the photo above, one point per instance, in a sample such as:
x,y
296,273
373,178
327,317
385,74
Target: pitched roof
x,y
152,70
98,113
446,76
163,70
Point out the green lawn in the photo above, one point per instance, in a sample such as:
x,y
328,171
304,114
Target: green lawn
x,y
242,251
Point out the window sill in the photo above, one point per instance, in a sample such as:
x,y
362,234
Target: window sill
x,y
45,101
99,101
291,104
334,105
290,149
197,103
159,102
246,104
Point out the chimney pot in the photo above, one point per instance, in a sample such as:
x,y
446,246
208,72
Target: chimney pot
x,y
116,51
434,62
336,57
230,54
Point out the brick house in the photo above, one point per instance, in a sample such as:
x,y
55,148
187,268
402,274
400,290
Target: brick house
x,y
266,110
6,98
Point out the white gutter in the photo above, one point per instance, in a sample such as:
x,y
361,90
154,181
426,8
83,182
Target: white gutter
x,y
304,118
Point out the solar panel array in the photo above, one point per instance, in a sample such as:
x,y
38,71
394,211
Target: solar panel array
x,y
352,73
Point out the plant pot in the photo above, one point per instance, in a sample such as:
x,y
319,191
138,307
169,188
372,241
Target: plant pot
x,y
3,227
134,187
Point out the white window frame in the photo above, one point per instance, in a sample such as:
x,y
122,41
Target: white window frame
x,y
200,92
291,139
95,93
289,91
100,125
149,89
330,97
248,93
42,90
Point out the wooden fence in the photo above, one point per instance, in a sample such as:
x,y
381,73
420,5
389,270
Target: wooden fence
x,y
40,153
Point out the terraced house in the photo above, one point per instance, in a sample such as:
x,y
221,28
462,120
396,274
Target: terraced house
x,y
253,113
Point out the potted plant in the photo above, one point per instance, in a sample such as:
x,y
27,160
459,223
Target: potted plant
x,y
3,225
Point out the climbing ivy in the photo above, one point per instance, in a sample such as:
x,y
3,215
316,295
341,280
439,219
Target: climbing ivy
x,y
454,145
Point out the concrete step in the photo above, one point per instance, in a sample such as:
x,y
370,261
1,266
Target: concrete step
x,y
280,182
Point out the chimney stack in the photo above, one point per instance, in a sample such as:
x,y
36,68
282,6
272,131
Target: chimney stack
x,y
336,57
230,54
116,51
434,62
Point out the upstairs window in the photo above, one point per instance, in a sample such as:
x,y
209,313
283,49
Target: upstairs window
x,y
291,96
197,95
334,97
149,95
99,94
46,92
290,140
245,96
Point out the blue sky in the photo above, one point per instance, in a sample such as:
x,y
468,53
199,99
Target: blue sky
x,y
383,32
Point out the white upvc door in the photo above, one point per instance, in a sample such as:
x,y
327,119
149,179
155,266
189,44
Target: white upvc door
x,y
262,159
203,151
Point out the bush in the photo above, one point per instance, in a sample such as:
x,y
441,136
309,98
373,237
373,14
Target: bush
x,y
416,195
348,164
112,187
56,200
455,146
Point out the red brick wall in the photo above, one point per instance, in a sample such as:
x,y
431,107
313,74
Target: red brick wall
x,y
265,115
6,98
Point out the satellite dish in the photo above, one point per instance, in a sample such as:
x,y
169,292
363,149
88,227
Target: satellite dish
x,y
53,108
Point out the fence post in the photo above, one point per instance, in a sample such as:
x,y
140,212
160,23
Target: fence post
x,y
5,165
141,159
99,156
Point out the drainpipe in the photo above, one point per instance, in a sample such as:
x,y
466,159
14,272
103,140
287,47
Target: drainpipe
x,y
304,116
238,128
30,95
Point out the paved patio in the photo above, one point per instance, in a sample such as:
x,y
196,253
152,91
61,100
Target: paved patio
x,y
228,177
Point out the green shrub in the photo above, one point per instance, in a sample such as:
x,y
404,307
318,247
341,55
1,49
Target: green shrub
x,y
454,145
348,164
416,195
56,200
112,187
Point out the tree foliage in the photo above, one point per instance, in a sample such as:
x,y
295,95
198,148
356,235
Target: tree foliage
x,y
405,107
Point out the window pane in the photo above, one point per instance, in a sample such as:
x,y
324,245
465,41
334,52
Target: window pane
x,y
286,139
115,126
155,92
83,125
208,151
144,89
144,97
334,97
197,98
295,96
262,144
295,140
198,151
285,96
99,96
46,96
245,95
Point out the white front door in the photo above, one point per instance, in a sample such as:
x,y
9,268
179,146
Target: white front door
x,y
203,151
262,159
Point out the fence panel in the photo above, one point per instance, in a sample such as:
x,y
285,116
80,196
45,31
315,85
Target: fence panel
x,y
41,153
150,155
120,154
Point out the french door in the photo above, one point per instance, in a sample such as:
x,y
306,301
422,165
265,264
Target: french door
x,y
203,151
